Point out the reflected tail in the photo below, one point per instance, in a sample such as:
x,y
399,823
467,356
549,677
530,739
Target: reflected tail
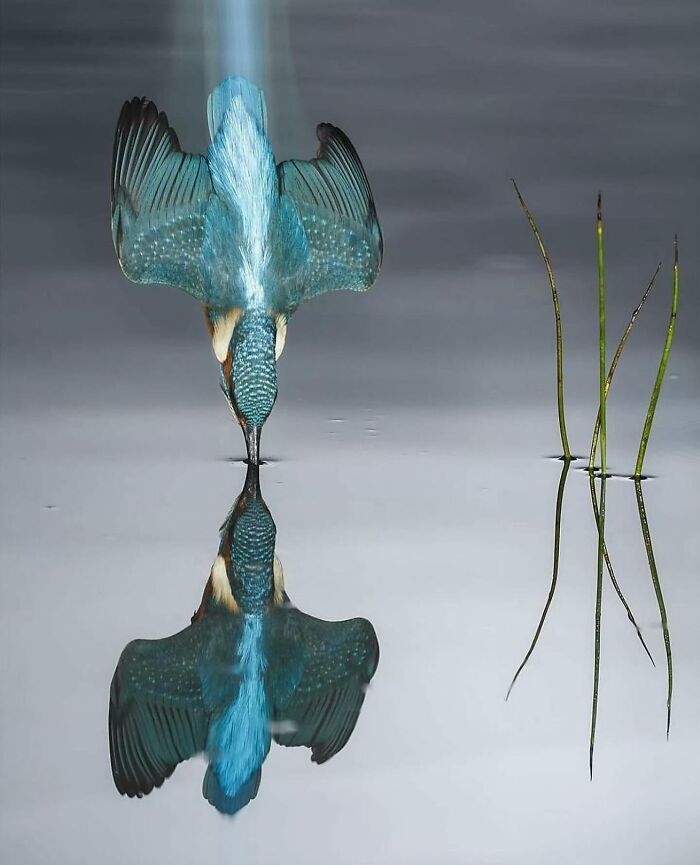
x,y
214,793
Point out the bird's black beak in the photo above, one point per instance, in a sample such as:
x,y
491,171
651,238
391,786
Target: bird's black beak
x,y
251,488
252,443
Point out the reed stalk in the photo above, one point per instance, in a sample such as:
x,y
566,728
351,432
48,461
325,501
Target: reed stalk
x,y
663,363
594,443
616,359
557,321
555,571
602,378
638,477
646,534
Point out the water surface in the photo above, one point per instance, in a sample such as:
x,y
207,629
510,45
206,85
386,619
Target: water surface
x,y
408,482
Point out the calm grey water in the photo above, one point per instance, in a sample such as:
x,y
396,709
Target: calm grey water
x,y
409,482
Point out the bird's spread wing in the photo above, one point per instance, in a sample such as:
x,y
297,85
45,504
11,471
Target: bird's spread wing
x,y
159,198
330,665
157,713
334,201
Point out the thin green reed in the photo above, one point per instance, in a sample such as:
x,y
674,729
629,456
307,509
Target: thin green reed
x,y
646,432
567,458
638,476
557,319
646,534
594,444
611,572
616,360
602,378
555,571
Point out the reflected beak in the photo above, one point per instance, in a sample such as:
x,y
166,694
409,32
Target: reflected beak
x,y
251,488
252,443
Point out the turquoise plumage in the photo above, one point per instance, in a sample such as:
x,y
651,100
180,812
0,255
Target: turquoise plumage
x,y
249,668
249,239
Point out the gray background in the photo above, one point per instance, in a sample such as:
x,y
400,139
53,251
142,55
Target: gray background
x,y
408,481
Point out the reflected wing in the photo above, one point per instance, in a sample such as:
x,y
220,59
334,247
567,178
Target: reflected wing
x,y
331,664
157,716
334,200
159,197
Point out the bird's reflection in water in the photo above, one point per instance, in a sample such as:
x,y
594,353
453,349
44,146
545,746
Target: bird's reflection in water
x,y
250,668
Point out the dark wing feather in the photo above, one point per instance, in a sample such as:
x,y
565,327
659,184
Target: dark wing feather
x,y
159,198
335,203
331,664
157,716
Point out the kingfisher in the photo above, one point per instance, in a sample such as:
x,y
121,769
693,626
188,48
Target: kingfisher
x,y
248,669
248,238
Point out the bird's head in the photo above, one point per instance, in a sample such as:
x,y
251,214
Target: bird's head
x,y
249,369
246,575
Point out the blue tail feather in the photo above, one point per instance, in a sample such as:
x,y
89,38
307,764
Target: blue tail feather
x,y
225,804
239,737
221,97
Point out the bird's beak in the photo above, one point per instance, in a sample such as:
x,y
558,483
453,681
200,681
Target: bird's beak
x,y
251,488
252,443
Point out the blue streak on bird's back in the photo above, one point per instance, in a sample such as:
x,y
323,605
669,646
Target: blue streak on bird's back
x,y
239,739
244,176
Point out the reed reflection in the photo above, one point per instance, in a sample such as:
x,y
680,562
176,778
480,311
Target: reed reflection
x,y
249,669
598,445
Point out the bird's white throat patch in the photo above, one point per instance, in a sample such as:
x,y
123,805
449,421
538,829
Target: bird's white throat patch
x,y
220,586
281,336
278,577
223,331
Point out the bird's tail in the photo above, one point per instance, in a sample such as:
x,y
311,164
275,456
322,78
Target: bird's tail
x,y
214,793
222,96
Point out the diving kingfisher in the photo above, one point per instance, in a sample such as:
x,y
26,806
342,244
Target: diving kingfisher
x,y
248,669
249,239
